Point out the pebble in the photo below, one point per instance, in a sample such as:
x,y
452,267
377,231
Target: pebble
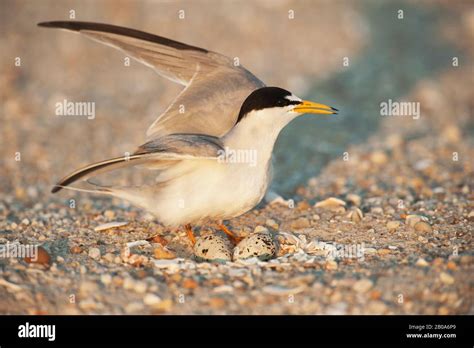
x,y
109,214
281,290
213,247
446,278
354,199
190,284
140,287
162,252
393,225
356,215
378,157
300,223
423,226
377,210
272,224
223,289
470,217
109,225
134,307
331,265
332,204
363,285
94,253
42,257
411,220
260,245
76,250
106,279
422,262
151,300
25,221
259,229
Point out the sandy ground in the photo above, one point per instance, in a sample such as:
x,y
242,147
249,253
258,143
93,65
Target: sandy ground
x,y
402,231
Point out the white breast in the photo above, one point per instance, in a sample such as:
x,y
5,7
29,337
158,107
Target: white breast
x,y
228,187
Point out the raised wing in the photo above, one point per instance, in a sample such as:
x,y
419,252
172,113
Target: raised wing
x,y
215,88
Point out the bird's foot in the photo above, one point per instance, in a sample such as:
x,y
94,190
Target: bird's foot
x,y
232,236
189,232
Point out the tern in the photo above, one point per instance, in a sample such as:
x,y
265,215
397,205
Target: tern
x,y
223,110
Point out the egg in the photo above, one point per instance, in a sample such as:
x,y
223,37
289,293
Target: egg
x,y
213,248
260,245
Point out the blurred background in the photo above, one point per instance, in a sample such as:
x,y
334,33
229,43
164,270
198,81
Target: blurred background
x,y
349,54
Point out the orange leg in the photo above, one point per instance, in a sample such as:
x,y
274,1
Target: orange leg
x,y
189,232
235,239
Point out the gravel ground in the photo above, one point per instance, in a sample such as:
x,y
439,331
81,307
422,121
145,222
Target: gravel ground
x,y
396,237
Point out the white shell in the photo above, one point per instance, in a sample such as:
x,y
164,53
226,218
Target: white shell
x,y
108,225
260,245
213,247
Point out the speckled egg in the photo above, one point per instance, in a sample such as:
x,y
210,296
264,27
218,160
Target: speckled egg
x,y
260,245
213,248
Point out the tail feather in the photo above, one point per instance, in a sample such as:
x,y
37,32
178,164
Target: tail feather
x,y
97,168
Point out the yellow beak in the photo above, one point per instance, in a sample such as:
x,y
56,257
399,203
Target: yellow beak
x,y
308,107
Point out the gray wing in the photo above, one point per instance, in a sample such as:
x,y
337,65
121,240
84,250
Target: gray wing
x,y
214,88
157,154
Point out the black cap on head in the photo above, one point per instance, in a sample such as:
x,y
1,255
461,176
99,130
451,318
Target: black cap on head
x,y
265,97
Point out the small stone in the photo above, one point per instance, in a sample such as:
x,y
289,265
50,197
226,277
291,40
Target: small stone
x,y
76,250
316,217
162,252
41,257
134,307
159,240
300,223
25,221
217,302
377,210
109,257
446,278
109,225
363,285
137,260
151,300
411,220
87,287
140,287
190,284
354,199
88,305
355,215
259,229
470,217
423,226
94,253
332,204
106,279
378,157
451,265
330,265
383,251
272,224
422,262
393,225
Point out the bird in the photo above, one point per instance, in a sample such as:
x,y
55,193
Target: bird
x,y
200,156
